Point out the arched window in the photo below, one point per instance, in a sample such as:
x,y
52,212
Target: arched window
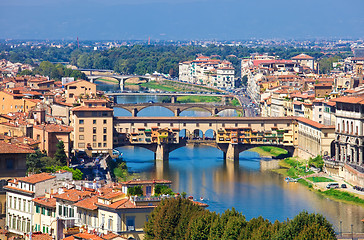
x,y
343,126
357,130
338,127
352,127
347,126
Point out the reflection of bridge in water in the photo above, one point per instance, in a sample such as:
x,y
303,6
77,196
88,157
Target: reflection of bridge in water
x,y
177,108
279,132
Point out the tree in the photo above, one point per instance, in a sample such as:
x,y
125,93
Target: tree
x,y
33,161
60,155
162,190
135,191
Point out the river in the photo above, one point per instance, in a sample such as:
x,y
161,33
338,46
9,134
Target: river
x,y
201,172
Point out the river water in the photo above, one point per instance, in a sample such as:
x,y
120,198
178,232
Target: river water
x,y
201,172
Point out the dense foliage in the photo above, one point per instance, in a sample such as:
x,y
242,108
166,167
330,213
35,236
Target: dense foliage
x,y
181,219
54,71
162,190
118,169
39,162
135,191
317,162
141,59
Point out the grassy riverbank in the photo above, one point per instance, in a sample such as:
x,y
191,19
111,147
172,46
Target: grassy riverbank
x,y
108,81
174,86
296,168
268,151
197,99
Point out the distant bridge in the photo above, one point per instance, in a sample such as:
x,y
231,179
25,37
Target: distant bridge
x,y
176,108
194,126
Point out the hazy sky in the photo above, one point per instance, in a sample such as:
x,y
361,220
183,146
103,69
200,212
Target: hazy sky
x,y
180,20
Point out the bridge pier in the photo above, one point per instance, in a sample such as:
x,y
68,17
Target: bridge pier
x,y
177,112
232,153
134,112
173,99
162,152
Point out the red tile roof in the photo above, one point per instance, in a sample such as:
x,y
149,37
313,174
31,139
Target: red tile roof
x,y
74,195
85,108
140,182
54,128
6,148
36,178
303,57
85,236
313,123
44,201
88,203
353,100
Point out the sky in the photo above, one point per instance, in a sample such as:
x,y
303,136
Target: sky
x,y
181,19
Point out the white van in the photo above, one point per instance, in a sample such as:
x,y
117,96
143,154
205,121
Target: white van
x,y
332,185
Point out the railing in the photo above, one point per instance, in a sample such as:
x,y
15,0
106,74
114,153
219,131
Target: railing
x,y
356,167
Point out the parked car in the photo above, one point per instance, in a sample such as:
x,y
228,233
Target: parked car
x,y
343,185
332,185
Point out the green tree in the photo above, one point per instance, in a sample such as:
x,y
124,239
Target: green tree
x,y
135,191
33,161
60,155
162,190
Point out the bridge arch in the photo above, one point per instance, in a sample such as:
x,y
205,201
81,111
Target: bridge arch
x,y
190,108
227,112
210,134
156,110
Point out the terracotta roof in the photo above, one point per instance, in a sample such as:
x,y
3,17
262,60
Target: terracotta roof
x,y
123,204
74,195
77,81
110,236
17,189
313,123
111,195
54,128
302,56
13,148
36,178
353,100
87,203
85,236
41,236
44,201
85,108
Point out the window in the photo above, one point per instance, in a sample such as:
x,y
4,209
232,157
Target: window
x,y
43,210
94,138
105,121
104,144
81,129
9,163
94,145
110,224
158,124
145,124
105,138
105,130
81,145
37,209
325,134
99,144
81,137
94,121
130,223
81,121
94,130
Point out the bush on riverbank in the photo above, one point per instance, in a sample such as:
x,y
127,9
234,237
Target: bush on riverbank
x,y
342,195
182,219
197,99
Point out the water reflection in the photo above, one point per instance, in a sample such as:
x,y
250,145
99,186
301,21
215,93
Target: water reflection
x,y
202,172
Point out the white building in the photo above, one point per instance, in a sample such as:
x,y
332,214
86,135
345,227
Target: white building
x,y
19,194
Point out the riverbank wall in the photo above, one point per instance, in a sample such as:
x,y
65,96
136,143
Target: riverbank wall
x,y
348,173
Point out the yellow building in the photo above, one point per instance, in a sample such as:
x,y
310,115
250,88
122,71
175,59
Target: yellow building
x,y
15,102
78,89
93,129
44,215
49,135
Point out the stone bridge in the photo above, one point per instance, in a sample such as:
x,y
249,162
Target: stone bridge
x,y
120,78
177,108
192,125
